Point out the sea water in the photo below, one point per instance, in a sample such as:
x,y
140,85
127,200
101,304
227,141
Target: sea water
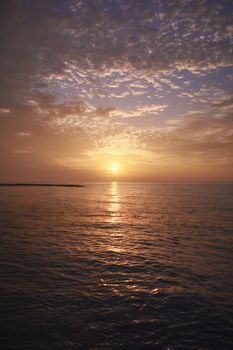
x,y
116,266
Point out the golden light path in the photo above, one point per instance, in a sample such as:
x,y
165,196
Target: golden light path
x,y
116,237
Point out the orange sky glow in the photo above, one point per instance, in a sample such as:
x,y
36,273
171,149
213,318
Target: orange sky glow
x,y
116,91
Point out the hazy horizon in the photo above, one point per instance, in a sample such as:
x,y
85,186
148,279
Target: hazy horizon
x,y
120,181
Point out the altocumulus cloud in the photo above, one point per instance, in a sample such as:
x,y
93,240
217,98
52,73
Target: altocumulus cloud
x,y
70,66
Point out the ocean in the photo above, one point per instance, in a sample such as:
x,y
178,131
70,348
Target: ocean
x,y
116,266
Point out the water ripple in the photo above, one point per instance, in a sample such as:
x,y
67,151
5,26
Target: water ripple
x,y
117,266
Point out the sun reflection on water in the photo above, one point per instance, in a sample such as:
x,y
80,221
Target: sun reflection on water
x,y
114,207
116,235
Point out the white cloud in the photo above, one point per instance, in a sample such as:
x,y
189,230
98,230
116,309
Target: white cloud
x,y
5,110
24,134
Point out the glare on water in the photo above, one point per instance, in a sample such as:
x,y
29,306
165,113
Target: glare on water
x,y
116,237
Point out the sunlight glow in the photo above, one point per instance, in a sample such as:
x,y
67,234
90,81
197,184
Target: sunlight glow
x,y
115,168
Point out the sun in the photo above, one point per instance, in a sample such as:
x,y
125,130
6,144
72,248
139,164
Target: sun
x,y
114,168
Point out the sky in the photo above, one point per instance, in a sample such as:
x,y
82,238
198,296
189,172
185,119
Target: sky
x,y
116,90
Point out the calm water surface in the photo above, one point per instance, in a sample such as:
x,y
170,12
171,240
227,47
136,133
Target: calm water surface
x,y
116,266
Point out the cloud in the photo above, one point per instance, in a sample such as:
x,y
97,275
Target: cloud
x,y
5,110
99,71
24,134
104,111
98,37
193,137
22,151
226,103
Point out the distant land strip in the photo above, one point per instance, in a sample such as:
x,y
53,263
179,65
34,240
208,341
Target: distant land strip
x,y
40,185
